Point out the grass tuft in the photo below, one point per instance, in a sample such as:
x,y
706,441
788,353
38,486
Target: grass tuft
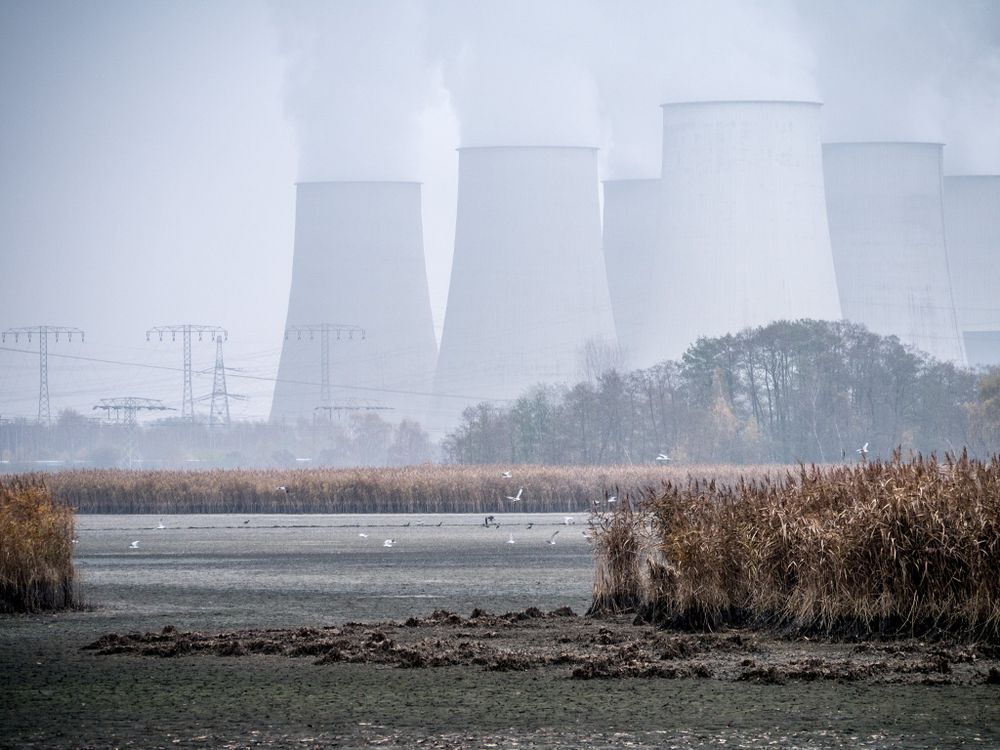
x,y
887,548
36,548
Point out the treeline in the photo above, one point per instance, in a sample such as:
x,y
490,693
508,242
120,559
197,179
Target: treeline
x,y
75,440
807,391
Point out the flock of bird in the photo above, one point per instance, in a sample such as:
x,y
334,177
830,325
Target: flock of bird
x,y
491,520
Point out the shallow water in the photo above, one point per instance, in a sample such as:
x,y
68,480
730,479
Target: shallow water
x,y
290,569
218,572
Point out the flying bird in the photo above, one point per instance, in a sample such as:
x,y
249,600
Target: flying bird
x,y
612,499
552,539
863,450
507,475
362,534
663,457
388,542
530,525
134,545
517,496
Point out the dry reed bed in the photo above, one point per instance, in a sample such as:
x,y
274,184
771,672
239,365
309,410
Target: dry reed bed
x,y
36,548
902,547
415,489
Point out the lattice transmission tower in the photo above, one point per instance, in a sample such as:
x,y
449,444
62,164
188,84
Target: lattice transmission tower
x,y
325,330
218,414
125,409
186,330
42,332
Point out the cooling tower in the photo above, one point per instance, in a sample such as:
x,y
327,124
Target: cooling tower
x,y
528,288
743,231
631,210
358,260
887,231
972,226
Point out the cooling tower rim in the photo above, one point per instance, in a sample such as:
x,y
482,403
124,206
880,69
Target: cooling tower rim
x,y
528,148
729,102
358,182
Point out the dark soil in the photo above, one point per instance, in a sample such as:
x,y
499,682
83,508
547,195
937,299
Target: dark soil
x,y
580,648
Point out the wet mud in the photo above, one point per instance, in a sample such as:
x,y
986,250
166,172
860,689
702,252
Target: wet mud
x,y
300,633
580,648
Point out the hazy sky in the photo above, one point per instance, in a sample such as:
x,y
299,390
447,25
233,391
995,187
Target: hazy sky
x,y
148,151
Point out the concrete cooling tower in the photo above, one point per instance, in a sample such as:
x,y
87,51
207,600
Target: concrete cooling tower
x,y
743,236
631,210
528,287
972,226
358,260
887,230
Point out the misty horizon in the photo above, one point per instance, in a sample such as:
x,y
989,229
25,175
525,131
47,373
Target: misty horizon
x,y
150,152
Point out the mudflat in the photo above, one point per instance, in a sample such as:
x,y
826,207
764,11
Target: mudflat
x,y
299,632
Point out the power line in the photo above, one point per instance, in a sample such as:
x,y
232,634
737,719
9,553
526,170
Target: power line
x,y
43,358
268,379
186,329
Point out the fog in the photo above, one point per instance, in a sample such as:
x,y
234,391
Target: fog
x,y
148,151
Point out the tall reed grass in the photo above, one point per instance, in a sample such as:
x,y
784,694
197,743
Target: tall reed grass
x,y
415,489
36,548
901,547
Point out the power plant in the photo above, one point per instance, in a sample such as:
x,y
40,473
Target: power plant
x,y
630,247
972,226
528,291
359,327
743,237
885,209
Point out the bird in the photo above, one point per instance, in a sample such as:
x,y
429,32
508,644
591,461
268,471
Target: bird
x,y
507,475
612,499
362,534
517,496
487,521
75,541
552,539
568,520
663,457
530,525
863,450
388,542
160,525
406,524
283,488
440,522
134,545
246,522
510,540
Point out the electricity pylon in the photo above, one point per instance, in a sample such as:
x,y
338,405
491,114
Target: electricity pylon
x,y
43,358
125,409
324,330
219,412
186,329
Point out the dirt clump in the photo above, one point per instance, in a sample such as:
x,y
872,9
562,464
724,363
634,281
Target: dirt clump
x,y
582,648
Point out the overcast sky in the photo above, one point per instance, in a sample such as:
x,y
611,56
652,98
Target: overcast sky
x,y
148,151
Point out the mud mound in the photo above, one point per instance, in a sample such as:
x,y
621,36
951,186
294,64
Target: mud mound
x,y
579,648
